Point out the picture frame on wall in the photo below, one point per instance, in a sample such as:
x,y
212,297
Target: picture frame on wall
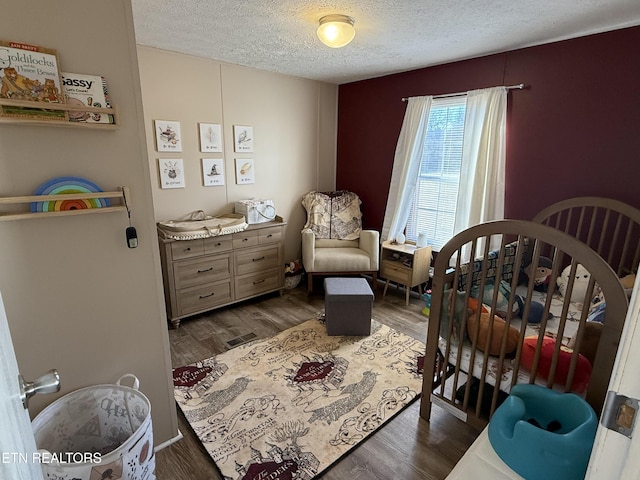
x,y
245,173
243,138
30,73
210,137
212,172
168,137
171,172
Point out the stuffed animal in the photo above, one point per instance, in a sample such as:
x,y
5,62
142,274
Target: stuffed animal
x,y
583,367
484,325
459,312
540,273
627,282
293,268
536,309
580,283
590,340
502,299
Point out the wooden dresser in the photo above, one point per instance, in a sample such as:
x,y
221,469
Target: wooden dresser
x,y
203,274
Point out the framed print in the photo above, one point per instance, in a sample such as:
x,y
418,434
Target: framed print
x,y
30,73
212,171
244,171
243,139
168,138
210,137
171,172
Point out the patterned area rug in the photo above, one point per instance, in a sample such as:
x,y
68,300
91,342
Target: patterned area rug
x,y
292,405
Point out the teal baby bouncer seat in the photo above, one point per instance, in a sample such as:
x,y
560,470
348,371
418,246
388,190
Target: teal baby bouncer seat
x,y
543,434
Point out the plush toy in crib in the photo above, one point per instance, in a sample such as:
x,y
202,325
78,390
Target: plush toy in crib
x,y
482,324
502,299
540,273
627,282
580,283
536,309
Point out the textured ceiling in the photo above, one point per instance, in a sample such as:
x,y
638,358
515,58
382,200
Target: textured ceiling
x,y
392,35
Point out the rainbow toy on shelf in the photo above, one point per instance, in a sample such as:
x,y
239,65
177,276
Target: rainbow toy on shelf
x,y
68,185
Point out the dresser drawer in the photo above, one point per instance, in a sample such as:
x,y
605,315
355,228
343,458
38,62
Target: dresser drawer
x,y
248,238
269,235
395,271
249,285
188,273
218,244
187,248
256,259
203,297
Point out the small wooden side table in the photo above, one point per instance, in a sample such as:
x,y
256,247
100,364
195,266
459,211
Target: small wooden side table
x,y
405,264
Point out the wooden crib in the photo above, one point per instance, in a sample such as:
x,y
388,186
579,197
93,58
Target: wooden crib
x,y
610,227
490,325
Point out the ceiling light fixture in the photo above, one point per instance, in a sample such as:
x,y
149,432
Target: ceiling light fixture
x,y
336,30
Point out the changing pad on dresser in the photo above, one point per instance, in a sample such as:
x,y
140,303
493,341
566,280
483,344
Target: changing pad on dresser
x,y
199,225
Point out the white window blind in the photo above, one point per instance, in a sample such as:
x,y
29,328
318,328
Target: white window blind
x,y
434,204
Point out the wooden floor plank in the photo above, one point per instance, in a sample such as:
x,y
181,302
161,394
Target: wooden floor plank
x,y
406,448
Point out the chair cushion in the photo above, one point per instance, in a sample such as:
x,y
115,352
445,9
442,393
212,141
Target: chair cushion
x,y
341,260
328,243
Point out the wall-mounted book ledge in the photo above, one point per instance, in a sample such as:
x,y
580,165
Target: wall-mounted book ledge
x,y
33,119
65,204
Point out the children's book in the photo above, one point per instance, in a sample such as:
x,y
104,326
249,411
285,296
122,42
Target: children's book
x,y
86,90
29,73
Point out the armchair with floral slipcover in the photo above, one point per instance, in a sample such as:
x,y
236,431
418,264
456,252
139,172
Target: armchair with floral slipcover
x,y
333,242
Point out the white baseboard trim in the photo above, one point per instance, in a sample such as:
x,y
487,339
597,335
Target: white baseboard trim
x,y
168,442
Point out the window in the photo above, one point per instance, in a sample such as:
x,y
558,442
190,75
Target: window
x,y
434,203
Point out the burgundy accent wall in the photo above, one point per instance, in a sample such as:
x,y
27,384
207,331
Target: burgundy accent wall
x,y
574,131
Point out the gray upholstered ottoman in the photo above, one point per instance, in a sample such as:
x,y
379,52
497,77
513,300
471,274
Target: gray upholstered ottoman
x,y
347,306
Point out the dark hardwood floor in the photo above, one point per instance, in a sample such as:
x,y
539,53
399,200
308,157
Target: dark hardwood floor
x,y
406,448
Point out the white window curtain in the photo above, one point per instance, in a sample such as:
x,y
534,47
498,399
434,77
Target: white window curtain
x,y
406,163
481,192
482,175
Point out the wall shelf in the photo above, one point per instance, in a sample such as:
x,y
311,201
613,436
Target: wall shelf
x,y
62,107
122,196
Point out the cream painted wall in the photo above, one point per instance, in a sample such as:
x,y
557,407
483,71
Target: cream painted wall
x,y
294,124
76,297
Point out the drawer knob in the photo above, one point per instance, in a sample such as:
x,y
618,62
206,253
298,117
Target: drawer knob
x,y
207,296
269,236
257,259
259,281
188,249
205,270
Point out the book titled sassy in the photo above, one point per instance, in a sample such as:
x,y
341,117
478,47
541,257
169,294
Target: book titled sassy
x,y
86,90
